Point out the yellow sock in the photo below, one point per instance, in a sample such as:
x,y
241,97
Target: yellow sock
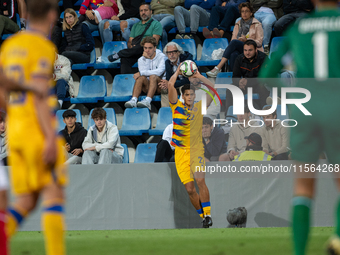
x,y
15,216
53,226
206,208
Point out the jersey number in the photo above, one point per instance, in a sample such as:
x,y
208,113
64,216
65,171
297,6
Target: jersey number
x,y
320,41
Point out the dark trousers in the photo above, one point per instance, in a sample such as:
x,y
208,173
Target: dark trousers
x,y
128,57
164,152
69,4
223,18
234,49
282,24
61,89
7,26
77,57
282,156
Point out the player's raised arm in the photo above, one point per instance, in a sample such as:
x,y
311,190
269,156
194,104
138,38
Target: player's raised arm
x,y
172,93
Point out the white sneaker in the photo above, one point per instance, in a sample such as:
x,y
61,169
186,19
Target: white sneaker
x,y
130,104
144,104
214,72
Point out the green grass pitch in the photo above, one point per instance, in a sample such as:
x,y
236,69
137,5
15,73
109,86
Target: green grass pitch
x,y
244,241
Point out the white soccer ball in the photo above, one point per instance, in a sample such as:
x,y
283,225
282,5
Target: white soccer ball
x,y
188,68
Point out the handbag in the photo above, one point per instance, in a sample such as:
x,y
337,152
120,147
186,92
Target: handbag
x,y
137,40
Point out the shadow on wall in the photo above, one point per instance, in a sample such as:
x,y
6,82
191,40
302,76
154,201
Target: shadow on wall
x,y
265,220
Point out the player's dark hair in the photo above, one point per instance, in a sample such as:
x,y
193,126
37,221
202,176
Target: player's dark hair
x,y
207,121
99,113
268,107
186,87
145,3
250,42
248,5
149,39
38,9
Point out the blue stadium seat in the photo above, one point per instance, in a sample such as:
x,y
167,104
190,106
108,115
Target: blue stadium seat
x,y
223,78
209,45
59,116
155,98
86,65
122,88
91,89
78,3
126,153
110,116
274,46
188,45
230,114
278,112
108,49
136,121
5,36
60,3
145,153
163,120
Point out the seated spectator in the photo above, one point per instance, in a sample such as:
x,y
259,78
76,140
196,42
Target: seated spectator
x,y
246,69
102,143
253,150
151,68
123,22
163,11
74,134
145,28
275,137
213,140
86,12
246,28
222,17
197,16
78,41
105,11
175,55
165,151
293,10
3,138
63,78
8,23
238,132
22,9
267,12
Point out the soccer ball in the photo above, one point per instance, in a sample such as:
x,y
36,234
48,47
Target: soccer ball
x,y
188,68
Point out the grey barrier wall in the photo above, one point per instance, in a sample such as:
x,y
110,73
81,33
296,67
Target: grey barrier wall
x,y
151,196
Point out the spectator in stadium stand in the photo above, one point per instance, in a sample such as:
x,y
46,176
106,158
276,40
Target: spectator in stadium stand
x,y
176,55
123,22
145,28
237,142
267,12
63,78
151,68
253,150
213,140
78,41
222,17
105,11
275,137
293,10
163,11
74,135
3,137
102,143
8,23
85,11
194,14
165,151
22,9
246,69
246,28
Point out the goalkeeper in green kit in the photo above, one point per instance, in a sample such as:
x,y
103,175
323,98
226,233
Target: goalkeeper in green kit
x,y
313,45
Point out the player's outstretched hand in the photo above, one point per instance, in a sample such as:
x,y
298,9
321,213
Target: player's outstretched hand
x,y
50,151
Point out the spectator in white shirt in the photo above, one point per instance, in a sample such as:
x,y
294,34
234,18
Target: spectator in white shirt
x,y
165,151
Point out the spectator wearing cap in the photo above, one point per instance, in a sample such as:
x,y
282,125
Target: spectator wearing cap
x,y
3,138
253,150
74,134
213,140
102,143
275,140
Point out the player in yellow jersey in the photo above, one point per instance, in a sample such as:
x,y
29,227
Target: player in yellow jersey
x,y
187,140
36,154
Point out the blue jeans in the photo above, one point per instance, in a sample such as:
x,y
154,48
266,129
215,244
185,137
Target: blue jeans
x,y
92,27
61,89
222,18
234,49
285,21
106,34
168,22
267,20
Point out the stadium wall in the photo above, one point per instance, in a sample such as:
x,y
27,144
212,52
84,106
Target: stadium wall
x,y
151,196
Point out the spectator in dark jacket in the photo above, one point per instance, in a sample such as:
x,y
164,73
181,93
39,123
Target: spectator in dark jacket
x,y
293,10
246,69
78,41
8,23
74,134
176,55
213,140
